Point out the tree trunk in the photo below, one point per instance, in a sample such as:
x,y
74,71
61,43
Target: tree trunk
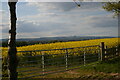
x,y
12,51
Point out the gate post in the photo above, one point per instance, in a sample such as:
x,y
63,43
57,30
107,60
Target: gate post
x,y
116,51
43,63
102,48
66,59
84,57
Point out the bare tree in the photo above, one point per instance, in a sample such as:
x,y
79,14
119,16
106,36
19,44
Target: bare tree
x,y
12,51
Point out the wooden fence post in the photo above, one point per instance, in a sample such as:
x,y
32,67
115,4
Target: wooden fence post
x,y
102,46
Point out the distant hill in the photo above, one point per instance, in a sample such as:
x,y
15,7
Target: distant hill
x,y
69,38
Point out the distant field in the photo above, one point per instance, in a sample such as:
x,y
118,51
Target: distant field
x,y
108,42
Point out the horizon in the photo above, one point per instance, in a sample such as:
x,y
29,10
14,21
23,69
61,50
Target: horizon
x,y
67,36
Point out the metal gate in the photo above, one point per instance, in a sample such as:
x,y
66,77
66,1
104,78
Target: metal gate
x,y
43,62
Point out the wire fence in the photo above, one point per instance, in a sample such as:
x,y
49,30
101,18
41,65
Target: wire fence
x,y
43,62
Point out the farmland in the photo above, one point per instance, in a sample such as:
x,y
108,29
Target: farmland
x,y
55,54
110,42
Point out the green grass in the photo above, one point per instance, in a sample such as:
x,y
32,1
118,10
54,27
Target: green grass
x,y
109,66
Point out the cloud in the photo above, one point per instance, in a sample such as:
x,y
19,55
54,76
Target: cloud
x,y
64,6
4,27
103,21
42,29
48,0
51,6
28,27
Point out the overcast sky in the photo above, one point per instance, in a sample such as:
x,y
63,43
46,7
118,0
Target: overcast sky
x,y
51,19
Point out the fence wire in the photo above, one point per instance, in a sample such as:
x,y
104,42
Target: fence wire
x,y
43,62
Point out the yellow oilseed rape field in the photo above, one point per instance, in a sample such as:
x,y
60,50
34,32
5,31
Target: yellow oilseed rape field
x,y
109,42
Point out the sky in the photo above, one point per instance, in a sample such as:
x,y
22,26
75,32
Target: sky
x,y
56,19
